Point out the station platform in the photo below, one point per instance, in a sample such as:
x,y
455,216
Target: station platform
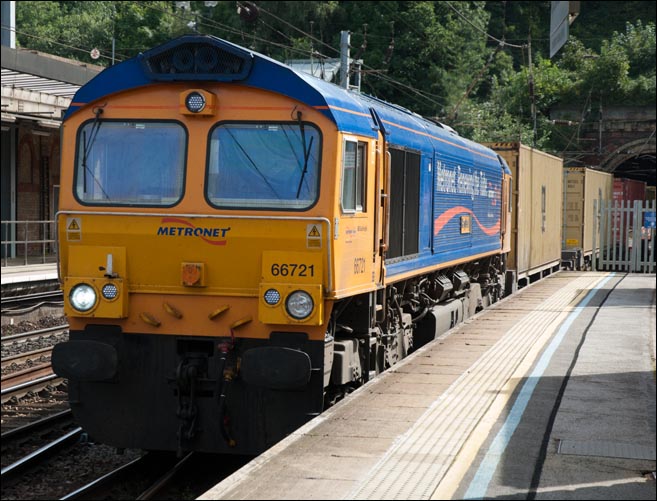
x,y
29,279
548,394
28,273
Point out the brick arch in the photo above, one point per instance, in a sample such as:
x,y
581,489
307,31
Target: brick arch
x,y
628,151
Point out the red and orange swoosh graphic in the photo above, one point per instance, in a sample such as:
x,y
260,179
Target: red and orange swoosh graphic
x,y
447,216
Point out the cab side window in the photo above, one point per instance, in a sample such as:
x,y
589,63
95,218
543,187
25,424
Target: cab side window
x,y
354,175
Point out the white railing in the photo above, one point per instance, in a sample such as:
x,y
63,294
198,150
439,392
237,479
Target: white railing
x,y
28,242
627,236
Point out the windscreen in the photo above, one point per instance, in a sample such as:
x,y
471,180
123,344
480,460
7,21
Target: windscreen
x,y
264,166
130,163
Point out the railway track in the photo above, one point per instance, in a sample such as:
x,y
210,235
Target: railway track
x,y
148,476
27,370
36,426
30,392
162,476
35,334
16,305
22,350
40,437
25,358
33,379
101,487
40,455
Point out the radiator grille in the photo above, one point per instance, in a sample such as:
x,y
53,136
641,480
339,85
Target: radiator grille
x,y
197,61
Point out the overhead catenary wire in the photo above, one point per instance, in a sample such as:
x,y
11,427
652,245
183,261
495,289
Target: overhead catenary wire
x,y
55,42
308,35
428,96
205,22
502,42
216,25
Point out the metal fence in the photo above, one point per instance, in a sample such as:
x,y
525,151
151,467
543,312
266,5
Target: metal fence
x,y
627,236
28,242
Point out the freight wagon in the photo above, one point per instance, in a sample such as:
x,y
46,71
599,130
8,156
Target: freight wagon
x,y
625,193
536,212
582,186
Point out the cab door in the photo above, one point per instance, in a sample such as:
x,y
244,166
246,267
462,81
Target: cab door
x,y
381,188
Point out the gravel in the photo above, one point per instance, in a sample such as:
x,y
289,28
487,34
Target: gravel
x,y
30,325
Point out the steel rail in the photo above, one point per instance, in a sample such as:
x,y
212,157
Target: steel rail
x,y
36,425
36,296
34,385
40,455
26,376
86,491
37,333
24,357
96,487
162,482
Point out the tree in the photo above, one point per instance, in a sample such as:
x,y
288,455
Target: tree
x,y
599,19
439,59
435,54
622,73
72,29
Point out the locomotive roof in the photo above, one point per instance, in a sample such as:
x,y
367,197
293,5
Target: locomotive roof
x,y
208,58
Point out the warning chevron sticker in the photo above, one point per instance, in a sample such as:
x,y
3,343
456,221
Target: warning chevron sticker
x,y
314,236
73,229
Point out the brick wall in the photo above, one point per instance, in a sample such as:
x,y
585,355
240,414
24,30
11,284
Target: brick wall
x,y
37,170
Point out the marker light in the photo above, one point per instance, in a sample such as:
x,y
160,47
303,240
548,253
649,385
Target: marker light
x,y
272,297
195,102
110,291
83,297
299,305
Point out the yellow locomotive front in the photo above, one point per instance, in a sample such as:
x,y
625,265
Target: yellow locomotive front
x,y
195,246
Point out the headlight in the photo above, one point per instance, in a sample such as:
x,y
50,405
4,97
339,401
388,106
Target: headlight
x,y
83,297
299,305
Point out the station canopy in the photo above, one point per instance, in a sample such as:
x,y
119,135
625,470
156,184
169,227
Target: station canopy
x,y
38,87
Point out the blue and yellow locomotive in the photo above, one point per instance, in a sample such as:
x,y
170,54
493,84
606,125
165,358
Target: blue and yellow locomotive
x,y
241,244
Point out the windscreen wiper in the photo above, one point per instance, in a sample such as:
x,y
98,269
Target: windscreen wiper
x,y
86,148
306,152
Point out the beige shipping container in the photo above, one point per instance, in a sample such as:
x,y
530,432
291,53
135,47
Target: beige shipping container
x,y
582,186
536,209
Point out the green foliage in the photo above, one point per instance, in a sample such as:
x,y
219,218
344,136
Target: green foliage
x,y
72,29
436,58
622,73
599,19
139,26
